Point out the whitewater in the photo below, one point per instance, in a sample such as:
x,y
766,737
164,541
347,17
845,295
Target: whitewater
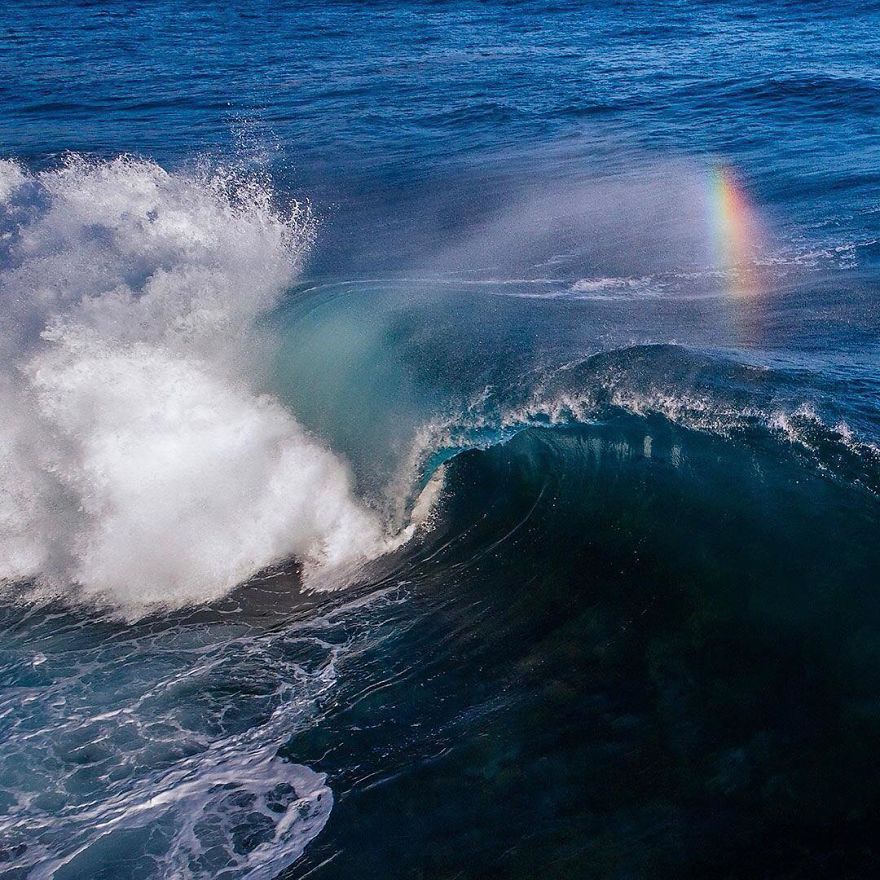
x,y
142,463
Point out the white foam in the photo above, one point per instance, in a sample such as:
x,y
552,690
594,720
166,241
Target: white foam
x,y
139,460
613,288
11,177
188,767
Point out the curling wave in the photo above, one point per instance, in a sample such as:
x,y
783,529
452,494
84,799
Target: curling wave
x,y
710,395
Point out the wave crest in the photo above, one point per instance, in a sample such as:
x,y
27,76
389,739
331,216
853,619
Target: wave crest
x,y
687,388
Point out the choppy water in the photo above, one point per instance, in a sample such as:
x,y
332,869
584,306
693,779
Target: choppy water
x,y
439,440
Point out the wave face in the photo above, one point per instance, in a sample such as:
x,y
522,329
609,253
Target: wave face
x,y
628,648
141,462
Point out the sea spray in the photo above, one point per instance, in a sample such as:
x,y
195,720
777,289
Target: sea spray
x,y
140,463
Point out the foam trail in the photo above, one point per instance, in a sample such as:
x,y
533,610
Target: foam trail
x,y
184,773
138,459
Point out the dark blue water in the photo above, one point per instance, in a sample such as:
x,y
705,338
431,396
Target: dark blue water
x,y
439,440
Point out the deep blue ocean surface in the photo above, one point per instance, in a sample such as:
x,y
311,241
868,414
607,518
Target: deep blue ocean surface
x,y
439,440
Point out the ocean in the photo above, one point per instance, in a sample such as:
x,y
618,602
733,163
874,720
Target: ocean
x,y
439,440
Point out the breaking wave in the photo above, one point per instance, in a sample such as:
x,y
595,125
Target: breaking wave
x,y
140,461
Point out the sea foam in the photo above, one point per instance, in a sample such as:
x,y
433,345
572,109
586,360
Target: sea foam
x,y
141,463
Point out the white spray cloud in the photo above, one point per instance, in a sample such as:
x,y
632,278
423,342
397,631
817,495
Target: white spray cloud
x,y
139,463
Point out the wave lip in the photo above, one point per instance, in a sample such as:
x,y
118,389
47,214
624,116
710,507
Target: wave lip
x,y
688,388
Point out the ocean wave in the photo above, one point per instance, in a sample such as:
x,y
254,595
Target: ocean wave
x,y
143,462
699,392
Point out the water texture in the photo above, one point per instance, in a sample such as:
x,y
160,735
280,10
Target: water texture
x,y
439,440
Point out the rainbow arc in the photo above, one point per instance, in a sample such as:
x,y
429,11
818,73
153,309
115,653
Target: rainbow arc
x,y
736,233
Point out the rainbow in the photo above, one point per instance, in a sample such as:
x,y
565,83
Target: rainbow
x,y
735,232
